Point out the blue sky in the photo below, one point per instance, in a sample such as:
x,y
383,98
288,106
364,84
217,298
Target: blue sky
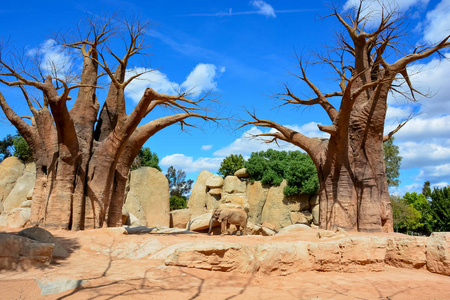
x,y
244,51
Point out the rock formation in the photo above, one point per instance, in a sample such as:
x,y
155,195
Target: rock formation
x,y
148,197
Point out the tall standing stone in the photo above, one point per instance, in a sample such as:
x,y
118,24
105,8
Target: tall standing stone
x,y
11,169
276,211
149,197
199,198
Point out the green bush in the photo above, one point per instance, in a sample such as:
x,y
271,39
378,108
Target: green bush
x,y
22,150
272,166
177,202
230,165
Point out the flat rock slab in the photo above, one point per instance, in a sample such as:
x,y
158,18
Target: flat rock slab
x,y
54,287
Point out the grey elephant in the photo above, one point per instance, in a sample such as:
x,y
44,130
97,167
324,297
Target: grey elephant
x,y
227,216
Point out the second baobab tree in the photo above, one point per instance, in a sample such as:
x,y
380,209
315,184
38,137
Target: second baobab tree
x,y
83,140
353,189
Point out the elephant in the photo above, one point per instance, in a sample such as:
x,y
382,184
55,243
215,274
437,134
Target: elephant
x,y
227,216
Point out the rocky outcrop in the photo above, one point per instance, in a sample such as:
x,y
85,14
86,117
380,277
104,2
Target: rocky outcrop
x,y
215,256
11,169
24,184
18,252
406,251
199,199
179,218
438,253
44,236
276,211
148,197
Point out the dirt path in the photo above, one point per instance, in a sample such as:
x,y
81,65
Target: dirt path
x,y
95,257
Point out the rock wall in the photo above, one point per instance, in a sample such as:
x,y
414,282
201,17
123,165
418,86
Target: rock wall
x,y
263,204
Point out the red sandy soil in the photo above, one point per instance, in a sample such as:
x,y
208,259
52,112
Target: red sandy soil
x,y
117,278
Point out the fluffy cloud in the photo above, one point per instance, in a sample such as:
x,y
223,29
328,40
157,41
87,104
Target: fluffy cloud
x,y
153,78
263,8
202,78
189,165
436,174
437,24
247,143
53,59
206,147
371,9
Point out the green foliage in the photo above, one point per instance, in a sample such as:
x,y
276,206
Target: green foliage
x,y
440,207
426,190
426,222
405,216
146,158
22,150
392,161
178,185
271,167
230,165
6,147
177,202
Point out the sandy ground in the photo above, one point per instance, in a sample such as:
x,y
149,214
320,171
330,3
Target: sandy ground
x,y
110,277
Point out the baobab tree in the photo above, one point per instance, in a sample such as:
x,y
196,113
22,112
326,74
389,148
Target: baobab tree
x,y
369,64
83,154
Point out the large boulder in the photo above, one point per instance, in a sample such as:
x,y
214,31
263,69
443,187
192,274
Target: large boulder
x,y
234,200
215,256
214,182
201,222
406,251
349,254
21,189
256,197
438,253
275,210
18,252
18,217
283,258
242,173
233,185
11,169
179,218
199,198
148,198
43,236
294,229
315,211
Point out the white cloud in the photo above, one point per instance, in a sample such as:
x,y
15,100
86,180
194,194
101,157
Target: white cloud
x,y
189,165
371,9
435,173
153,78
246,144
53,59
411,188
206,147
437,24
263,8
202,78
423,154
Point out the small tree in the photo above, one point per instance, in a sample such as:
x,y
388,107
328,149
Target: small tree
x,y
5,147
418,201
146,158
230,165
440,206
179,188
392,161
426,189
405,216
22,150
